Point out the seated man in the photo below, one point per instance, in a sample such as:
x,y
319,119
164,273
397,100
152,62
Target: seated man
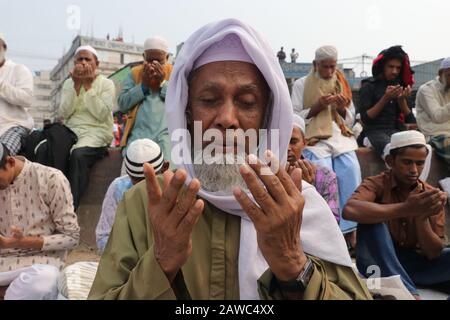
x,y
37,227
401,219
139,152
16,95
197,233
324,99
383,104
143,97
86,105
323,178
433,111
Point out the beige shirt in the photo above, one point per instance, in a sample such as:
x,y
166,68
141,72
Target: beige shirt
x,y
433,109
16,95
39,201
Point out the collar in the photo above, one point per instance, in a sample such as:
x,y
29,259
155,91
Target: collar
x,y
394,185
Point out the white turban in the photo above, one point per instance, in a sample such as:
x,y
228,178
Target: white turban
x,y
445,64
142,151
156,43
87,48
320,234
2,37
299,123
325,53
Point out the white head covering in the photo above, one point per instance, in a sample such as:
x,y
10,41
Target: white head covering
x,y
407,138
2,150
445,64
299,122
142,151
2,37
326,52
320,234
156,43
87,48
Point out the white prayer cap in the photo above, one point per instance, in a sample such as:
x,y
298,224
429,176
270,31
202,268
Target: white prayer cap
x,y
87,48
407,138
156,43
326,52
2,37
230,48
298,122
2,150
142,151
445,64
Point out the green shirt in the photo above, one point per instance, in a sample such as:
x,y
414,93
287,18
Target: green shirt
x,y
128,268
89,114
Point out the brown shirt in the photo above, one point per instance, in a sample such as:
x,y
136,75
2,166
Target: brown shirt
x,y
383,189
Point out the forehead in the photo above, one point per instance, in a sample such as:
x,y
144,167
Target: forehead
x,y
394,63
85,54
296,132
155,53
416,154
221,71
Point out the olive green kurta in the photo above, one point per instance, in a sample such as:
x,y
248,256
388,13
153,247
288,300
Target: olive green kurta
x,y
128,268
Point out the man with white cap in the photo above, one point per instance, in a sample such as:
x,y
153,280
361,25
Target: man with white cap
x,y
16,94
202,236
433,111
324,99
37,227
140,151
401,219
143,97
86,105
322,178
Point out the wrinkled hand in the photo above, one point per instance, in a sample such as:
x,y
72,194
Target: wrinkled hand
x,y
326,100
147,75
308,170
173,216
341,102
158,74
393,92
277,217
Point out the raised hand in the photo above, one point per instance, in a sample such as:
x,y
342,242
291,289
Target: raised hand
x,y
173,214
277,214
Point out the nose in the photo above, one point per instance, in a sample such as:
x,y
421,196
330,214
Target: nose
x,y
413,169
227,117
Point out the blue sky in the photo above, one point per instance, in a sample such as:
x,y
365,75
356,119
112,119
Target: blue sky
x,y
38,31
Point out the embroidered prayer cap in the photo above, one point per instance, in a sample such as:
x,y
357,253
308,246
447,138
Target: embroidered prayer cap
x,y
87,48
407,138
298,122
325,53
445,64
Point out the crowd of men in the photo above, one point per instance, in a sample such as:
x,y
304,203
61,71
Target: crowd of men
x,y
270,220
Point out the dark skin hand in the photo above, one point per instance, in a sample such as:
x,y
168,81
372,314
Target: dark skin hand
x,y
153,71
18,241
278,217
308,170
173,217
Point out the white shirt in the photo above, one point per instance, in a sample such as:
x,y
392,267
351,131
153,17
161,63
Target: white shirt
x,y
335,145
16,94
433,109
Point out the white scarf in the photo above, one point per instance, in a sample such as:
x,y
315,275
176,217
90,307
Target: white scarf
x,y
320,234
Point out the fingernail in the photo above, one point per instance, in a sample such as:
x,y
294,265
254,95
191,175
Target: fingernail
x,y
245,169
252,159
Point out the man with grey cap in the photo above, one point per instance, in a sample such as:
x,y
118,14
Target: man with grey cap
x,y
86,105
140,151
401,219
143,97
433,111
324,99
16,94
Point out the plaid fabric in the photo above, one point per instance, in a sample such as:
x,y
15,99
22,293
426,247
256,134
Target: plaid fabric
x,y
12,139
442,146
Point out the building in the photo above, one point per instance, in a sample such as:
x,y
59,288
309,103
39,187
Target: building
x,y
41,107
425,72
112,55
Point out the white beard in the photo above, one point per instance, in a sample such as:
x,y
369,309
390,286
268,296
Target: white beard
x,y
219,173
